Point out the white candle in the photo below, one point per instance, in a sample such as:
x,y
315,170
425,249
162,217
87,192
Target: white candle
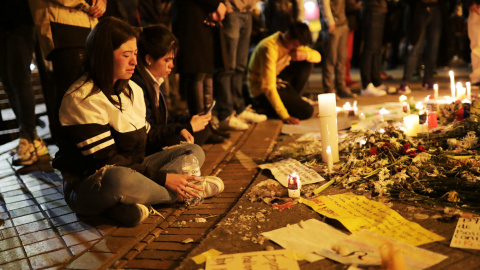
x,y
452,83
329,159
435,91
460,91
469,90
328,125
412,124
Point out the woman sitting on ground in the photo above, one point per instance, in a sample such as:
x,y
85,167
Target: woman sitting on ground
x,y
157,47
103,118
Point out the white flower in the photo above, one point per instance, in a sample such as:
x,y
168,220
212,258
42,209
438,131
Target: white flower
x,y
422,158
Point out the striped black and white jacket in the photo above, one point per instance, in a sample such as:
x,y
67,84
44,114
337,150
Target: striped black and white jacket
x,y
99,133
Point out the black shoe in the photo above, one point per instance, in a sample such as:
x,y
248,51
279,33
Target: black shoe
x,y
221,133
346,94
214,139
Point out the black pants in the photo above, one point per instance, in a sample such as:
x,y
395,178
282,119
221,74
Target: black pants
x,y
67,67
296,74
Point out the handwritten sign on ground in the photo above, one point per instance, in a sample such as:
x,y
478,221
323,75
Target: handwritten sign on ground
x,y
467,233
363,248
282,169
358,213
261,260
306,237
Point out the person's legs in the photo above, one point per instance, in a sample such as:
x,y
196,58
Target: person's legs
x,y
434,30
194,89
111,186
340,84
263,106
224,79
297,74
348,66
415,50
241,62
16,51
373,34
295,105
329,62
474,35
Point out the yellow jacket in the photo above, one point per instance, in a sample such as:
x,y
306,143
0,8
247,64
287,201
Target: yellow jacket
x,y
269,58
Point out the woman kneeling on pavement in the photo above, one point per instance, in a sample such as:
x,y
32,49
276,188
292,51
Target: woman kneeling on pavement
x,y
156,50
102,160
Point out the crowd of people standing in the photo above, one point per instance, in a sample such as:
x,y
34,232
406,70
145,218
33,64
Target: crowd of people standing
x,y
252,57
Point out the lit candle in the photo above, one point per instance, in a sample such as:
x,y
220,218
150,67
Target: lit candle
x,y
402,98
328,125
361,117
452,83
294,185
460,91
329,159
435,91
412,124
469,90
406,107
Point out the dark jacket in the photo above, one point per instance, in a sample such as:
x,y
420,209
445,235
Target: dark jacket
x,y
14,14
99,133
161,130
468,3
196,39
378,6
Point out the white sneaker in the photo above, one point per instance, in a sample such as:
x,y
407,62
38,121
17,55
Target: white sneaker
x,y
233,123
213,186
372,91
386,88
250,116
27,152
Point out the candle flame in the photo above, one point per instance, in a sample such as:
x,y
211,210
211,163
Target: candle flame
x,y
419,105
384,111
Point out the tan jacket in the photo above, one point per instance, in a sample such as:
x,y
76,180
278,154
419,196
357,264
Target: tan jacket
x,y
64,12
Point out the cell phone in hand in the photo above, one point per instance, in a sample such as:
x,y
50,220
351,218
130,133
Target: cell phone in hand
x,y
209,110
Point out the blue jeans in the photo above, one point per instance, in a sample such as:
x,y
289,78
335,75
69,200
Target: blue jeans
x,y
113,185
430,27
373,24
237,29
16,53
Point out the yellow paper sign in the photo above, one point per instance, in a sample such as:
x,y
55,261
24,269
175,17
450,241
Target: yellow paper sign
x,y
358,213
201,258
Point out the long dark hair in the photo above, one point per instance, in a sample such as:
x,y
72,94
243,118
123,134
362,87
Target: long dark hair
x,y
156,41
107,36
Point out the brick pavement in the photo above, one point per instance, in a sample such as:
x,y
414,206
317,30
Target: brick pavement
x,y
40,231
